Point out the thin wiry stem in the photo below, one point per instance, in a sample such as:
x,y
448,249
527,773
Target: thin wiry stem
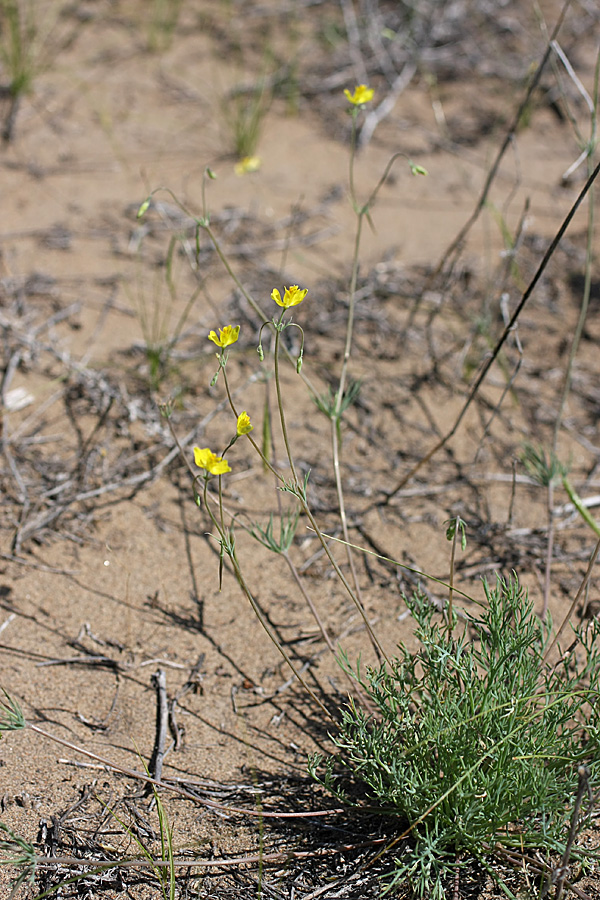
x,y
573,606
226,546
453,251
281,408
582,789
451,589
336,414
587,286
309,601
549,549
509,327
314,525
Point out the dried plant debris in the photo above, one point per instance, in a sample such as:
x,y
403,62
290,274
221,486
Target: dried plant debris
x,y
70,436
319,48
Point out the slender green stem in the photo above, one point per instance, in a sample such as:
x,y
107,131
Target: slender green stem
x,y
222,528
256,608
336,437
336,417
350,324
380,653
549,549
247,296
335,452
451,588
281,408
357,689
578,504
249,436
400,565
222,522
352,158
309,601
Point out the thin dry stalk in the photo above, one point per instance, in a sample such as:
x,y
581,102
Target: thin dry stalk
x,y
453,251
573,607
494,355
583,788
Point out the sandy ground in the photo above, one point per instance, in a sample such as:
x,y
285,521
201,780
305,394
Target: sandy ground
x,y
108,571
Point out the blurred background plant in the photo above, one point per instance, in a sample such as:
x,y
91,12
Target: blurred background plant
x,y
161,22
162,316
244,108
30,41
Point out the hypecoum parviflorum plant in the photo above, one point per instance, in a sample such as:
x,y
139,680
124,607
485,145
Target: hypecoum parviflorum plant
x,y
473,747
211,464
469,748
214,466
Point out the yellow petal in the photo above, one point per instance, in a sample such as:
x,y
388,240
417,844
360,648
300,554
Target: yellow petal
x,y
244,426
219,466
206,459
230,334
293,296
362,94
247,164
201,457
227,336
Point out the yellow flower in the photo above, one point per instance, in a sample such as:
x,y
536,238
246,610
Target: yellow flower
x,y
362,94
206,459
292,296
244,426
227,335
247,164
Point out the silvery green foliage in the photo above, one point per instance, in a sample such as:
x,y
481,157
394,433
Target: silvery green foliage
x,y
476,739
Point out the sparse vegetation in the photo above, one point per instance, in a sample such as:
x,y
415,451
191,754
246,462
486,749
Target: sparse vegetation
x,y
476,741
427,710
29,43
